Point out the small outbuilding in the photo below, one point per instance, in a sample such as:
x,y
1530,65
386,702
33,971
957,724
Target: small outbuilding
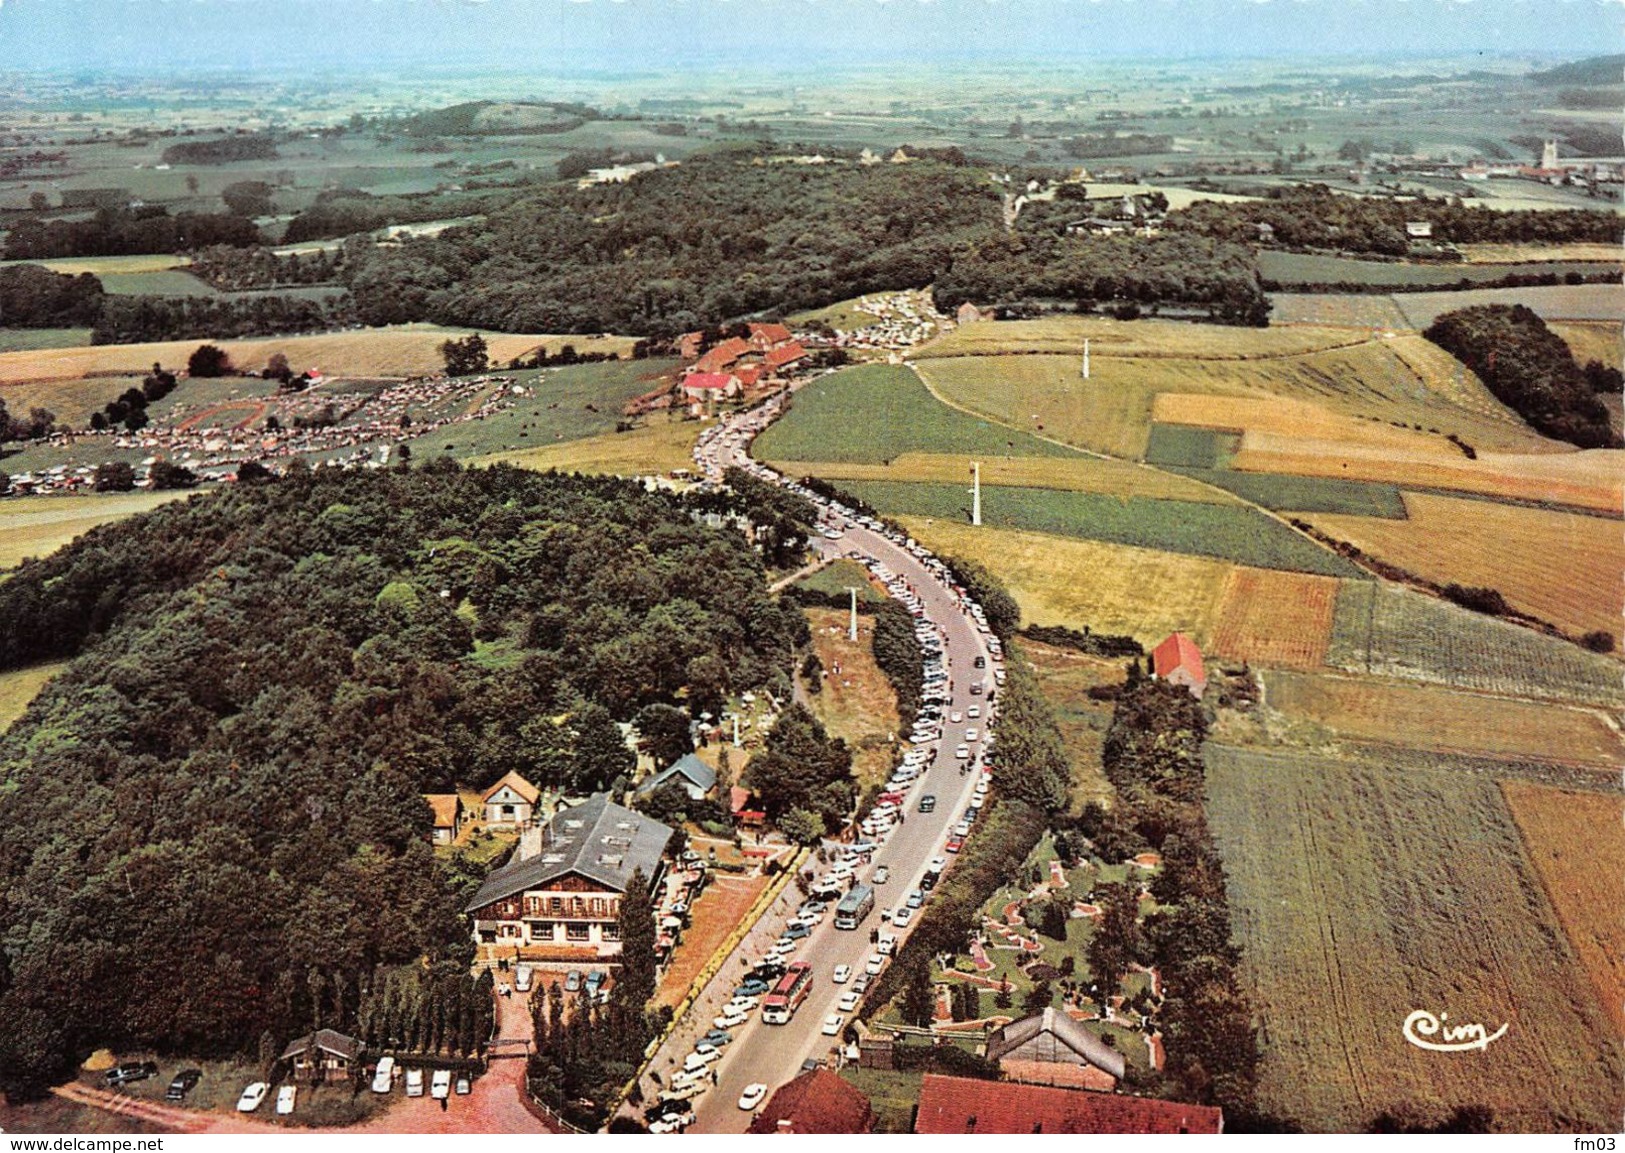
x,y
1178,661
325,1055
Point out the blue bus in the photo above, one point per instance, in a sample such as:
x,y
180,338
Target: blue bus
x,y
854,907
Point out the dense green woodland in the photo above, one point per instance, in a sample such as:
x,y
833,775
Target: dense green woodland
x,y
221,793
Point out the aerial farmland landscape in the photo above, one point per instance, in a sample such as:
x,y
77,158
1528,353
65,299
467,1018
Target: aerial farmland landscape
x,y
983,569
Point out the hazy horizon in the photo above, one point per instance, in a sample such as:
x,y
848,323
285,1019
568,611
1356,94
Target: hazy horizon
x,y
762,36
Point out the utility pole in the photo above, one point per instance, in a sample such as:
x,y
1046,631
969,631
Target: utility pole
x,y
736,730
975,493
1086,358
852,628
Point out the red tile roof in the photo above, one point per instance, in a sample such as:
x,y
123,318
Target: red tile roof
x,y
767,335
708,380
748,374
528,792
963,1105
815,1102
1178,652
722,355
447,808
779,357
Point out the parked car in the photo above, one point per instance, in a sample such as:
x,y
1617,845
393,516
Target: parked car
x,y
843,974
183,1084
253,1097
752,1096
286,1097
383,1077
440,1087
414,1082
860,984
751,987
901,917
955,844
873,966
521,978
797,931
572,981
730,1019
594,983
130,1071
464,1085
849,1000
915,899
832,1025
882,875
717,1037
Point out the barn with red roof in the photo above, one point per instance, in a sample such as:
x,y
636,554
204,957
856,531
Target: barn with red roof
x,y
1178,661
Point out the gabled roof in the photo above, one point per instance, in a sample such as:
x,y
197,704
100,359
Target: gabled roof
x,y
767,335
597,839
722,355
708,380
779,357
964,1105
527,791
816,1102
690,768
328,1040
1069,1036
445,807
739,799
1178,652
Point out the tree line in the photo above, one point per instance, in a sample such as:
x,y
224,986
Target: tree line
x,y
224,786
126,232
136,319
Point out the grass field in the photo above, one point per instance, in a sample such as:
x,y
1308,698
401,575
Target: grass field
x,y
1572,839
1361,894
1110,588
20,686
1391,631
1327,310
105,265
1274,618
34,339
1561,567
1518,253
1127,338
1556,302
892,1095
874,413
1224,532
36,526
1065,676
162,282
1074,474
1431,717
835,579
1290,268
1592,340
403,350
1286,493
658,447
857,703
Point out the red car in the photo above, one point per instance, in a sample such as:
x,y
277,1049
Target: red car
x,y
955,844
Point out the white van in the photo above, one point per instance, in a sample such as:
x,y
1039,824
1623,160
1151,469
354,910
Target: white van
x,y
383,1078
521,978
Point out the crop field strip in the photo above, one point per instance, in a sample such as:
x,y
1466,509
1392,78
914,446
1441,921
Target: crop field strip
x,y
658,447
1109,588
1275,618
1362,893
874,413
1433,717
1223,532
36,526
1073,474
1390,631
1558,566
1417,310
1130,339
1573,840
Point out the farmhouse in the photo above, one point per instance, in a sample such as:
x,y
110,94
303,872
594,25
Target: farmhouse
x,y
965,1105
511,802
721,356
766,336
696,777
1050,1048
782,357
449,815
710,385
563,901
325,1055
1178,661
818,1101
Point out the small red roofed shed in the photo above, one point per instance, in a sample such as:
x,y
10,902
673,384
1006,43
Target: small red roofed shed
x,y
1178,661
766,336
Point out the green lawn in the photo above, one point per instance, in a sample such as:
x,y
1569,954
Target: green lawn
x,y
1228,532
1286,493
893,1095
835,579
34,339
169,282
873,413
1289,268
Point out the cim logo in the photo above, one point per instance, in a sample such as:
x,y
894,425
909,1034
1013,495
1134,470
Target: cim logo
x,y
1421,1027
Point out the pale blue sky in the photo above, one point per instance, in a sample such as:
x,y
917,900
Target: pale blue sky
x,y
571,35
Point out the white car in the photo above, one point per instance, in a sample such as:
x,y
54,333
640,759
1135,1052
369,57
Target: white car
x,y
743,1003
752,1096
873,966
882,875
253,1097
285,1098
832,1025
972,734
902,917
843,974
730,1019
962,753
974,712
383,1078
981,787
440,1086
849,1000
885,944
414,1082
955,717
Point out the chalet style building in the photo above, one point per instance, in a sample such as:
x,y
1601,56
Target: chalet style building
x,y
563,901
325,1055
695,776
510,803
1050,1048
448,816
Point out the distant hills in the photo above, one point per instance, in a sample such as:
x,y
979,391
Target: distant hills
x,y
1592,70
499,118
